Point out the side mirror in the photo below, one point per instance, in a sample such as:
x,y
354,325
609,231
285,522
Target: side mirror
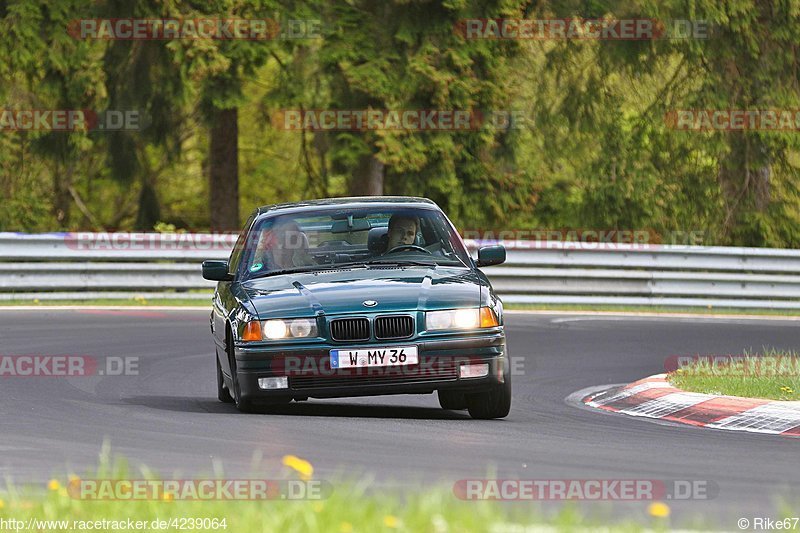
x,y
214,270
491,255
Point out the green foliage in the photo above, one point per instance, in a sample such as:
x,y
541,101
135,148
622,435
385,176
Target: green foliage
x,y
594,149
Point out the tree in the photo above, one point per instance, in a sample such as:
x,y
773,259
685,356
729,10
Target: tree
x,y
638,172
224,68
40,73
407,55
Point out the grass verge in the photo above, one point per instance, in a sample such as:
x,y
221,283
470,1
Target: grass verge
x,y
120,302
347,507
772,375
345,511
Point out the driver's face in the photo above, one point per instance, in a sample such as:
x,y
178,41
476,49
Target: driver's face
x,y
404,232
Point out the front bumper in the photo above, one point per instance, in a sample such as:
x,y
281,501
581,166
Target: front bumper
x,y
310,376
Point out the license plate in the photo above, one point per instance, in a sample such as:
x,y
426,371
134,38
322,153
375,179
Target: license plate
x,y
396,356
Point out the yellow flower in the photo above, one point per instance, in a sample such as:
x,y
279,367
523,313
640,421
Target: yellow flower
x,y
346,527
54,484
2,504
318,507
301,466
658,509
168,497
390,521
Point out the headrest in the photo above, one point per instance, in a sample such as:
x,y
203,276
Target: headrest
x,y
377,240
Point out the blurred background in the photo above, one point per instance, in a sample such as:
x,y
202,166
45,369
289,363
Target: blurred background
x,y
590,143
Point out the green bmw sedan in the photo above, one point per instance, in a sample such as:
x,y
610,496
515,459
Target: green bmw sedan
x,y
358,297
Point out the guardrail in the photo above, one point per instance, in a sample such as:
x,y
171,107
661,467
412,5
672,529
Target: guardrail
x,y
91,266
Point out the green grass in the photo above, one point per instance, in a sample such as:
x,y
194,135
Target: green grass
x,y
139,302
345,511
349,506
772,375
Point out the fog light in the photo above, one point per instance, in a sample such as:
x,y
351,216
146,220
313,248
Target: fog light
x,y
473,371
273,383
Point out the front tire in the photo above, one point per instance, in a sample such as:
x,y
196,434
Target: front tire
x,y
244,405
223,394
494,403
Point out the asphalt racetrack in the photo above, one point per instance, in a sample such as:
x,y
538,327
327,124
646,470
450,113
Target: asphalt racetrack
x,y
167,417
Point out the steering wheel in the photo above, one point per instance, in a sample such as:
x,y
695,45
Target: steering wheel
x,y
408,247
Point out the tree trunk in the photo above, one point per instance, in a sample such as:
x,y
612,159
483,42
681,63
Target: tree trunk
x,y
149,212
61,198
368,177
224,170
744,177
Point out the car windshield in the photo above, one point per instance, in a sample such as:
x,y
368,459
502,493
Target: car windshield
x,y
335,238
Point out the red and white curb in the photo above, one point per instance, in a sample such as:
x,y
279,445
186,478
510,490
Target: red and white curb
x,y
654,397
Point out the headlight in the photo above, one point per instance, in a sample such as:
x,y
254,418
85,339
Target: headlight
x,y
280,329
275,329
466,318
484,317
302,327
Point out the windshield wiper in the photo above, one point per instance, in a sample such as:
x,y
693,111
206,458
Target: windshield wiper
x,y
285,271
350,264
337,266
309,268
401,262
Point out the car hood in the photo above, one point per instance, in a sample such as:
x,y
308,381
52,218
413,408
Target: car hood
x,y
345,291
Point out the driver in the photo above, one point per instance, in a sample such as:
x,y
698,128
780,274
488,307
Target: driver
x,y
402,231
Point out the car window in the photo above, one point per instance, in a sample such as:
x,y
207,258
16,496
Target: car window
x,y
332,237
238,247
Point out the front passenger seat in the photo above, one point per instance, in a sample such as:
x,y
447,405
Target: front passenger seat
x,y
378,240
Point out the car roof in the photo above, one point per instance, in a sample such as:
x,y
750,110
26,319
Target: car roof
x,y
353,201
